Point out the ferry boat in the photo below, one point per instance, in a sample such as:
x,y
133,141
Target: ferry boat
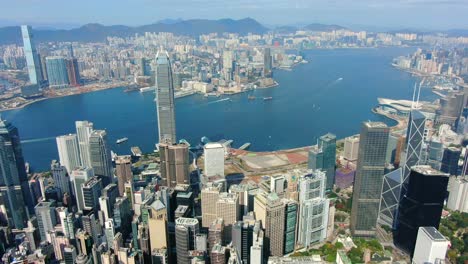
x,y
267,98
121,140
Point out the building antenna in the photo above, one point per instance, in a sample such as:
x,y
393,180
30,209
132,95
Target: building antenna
x,y
414,95
419,92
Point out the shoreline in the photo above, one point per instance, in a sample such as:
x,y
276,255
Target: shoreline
x,y
59,96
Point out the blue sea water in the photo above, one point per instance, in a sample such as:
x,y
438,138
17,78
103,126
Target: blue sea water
x,y
334,93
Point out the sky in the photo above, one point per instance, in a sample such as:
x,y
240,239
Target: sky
x,y
390,14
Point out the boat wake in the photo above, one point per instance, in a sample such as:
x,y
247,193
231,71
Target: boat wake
x,y
218,101
335,82
36,140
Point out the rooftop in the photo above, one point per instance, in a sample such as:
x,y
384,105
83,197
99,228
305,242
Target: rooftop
x,y
370,124
186,221
328,137
433,233
91,182
428,170
213,145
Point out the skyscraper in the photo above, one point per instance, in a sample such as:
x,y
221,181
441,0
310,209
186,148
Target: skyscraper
x,y
214,159
61,177
271,211
91,192
157,225
174,164
369,178
414,142
290,224
165,99
215,233
57,72
186,231
78,178
431,246
267,62
227,208
14,187
421,206
69,254
209,196
256,250
218,254
351,147
391,194
458,198
315,158
327,143
45,213
68,151
123,171
32,58
100,156
123,215
450,160
73,72
313,208
228,62
83,132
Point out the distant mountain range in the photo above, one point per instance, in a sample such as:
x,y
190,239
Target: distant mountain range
x,y
99,33
322,27
193,27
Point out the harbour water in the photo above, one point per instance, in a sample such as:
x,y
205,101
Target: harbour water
x,y
334,93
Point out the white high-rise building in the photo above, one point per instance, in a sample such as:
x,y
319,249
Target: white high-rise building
x,y
227,65
312,185
104,205
69,154
458,197
256,250
214,159
83,132
431,246
313,208
62,213
109,232
78,178
277,183
351,147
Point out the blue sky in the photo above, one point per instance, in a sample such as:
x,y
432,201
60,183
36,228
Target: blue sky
x,y
422,14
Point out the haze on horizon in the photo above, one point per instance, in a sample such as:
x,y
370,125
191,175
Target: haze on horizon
x,y
385,14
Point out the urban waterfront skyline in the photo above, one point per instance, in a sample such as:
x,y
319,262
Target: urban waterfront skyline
x,y
292,88
206,194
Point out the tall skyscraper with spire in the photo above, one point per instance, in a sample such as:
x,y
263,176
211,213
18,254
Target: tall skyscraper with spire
x,y
414,144
165,99
32,58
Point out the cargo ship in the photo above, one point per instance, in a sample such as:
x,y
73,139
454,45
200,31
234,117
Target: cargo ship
x,y
267,98
121,140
